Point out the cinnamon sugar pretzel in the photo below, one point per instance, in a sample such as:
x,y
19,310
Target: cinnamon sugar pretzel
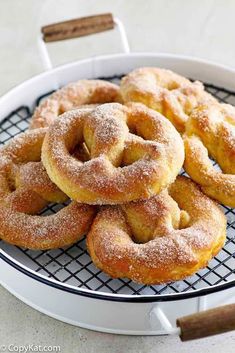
x,y
22,176
74,95
210,131
162,239
134,153
25,189
165,91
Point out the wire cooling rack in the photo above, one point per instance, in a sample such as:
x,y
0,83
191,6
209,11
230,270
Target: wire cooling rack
x,y
73,265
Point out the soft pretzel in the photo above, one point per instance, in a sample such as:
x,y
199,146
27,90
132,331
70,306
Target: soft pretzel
x,y
24,183
74,95
25,189
163,90
162,239
134,153
211,129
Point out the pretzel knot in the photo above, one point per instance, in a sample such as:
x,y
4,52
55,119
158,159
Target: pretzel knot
x,y
74,95
211,130
172,95
134,153
25,189
162,239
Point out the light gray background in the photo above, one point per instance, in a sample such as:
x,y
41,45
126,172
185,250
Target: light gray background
x,y
203,28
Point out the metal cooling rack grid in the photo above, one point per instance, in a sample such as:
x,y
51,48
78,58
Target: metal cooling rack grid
x,y
73,264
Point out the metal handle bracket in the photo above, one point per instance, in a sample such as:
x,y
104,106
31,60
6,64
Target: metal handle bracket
x,y
77,28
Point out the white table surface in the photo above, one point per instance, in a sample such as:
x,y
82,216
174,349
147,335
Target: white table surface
x,y
199,28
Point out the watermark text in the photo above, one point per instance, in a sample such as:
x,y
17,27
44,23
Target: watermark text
x,y
27,348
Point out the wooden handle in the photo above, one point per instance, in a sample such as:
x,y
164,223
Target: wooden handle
x,y
207,323
78,27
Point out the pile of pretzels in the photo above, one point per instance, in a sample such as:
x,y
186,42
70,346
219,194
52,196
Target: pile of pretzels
x,y
112,155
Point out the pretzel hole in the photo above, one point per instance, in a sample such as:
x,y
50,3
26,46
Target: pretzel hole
x,y
166,82
11,185
53,208
81,152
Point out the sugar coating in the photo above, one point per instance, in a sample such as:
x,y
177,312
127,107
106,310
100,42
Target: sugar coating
x,y
165,91
210,132
174,252
74,95
124,166
25,189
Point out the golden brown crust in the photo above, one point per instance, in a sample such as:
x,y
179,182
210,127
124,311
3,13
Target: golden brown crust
x,y
36,232
25,189
174,252
123,166
211,129
74,95
163,90
24,183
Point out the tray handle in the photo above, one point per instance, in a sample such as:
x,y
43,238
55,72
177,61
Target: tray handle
x,y
78,27
207,323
